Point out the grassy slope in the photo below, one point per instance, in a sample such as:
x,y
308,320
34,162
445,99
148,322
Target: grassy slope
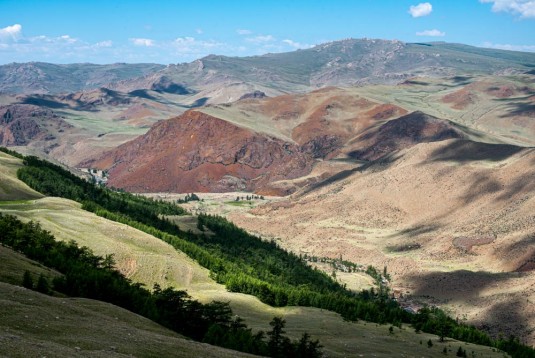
x,y
32,324
488,119
13,265
148,260
10,187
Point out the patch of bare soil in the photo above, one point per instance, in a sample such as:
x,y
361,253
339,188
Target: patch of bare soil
x,y
460,99
465,244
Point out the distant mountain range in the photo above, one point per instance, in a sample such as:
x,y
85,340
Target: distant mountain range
x,y
341,63
48,78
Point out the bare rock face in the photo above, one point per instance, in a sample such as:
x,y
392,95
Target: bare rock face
x,y
21,124
198,152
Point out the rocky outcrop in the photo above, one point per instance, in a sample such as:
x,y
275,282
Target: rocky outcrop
x,y
198,152
21,124
254,94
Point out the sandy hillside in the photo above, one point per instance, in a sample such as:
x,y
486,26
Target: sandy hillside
x,y
453,221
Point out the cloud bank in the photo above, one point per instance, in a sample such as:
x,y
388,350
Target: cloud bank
x,y
11,33
142,42
432,33
422,9
524,8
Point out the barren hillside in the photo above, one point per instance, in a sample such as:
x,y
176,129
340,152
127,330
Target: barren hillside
x,y
452,220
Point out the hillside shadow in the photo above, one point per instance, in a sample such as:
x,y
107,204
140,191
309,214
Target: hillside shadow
x,y
526,184
456,285
520,248
416,230
469,151
481,185
376,165
38,101
506,319
142,93
414,82
380,164
199,103
330,180
521,245
461,79
520,109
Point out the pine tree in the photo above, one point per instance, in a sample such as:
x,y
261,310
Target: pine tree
x,y
277,343
27,280
42,285
305,348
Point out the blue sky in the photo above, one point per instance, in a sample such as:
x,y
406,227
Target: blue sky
x,y
107,31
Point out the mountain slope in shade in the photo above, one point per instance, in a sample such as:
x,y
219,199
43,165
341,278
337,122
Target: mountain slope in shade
x,y
197,152
34,324
404,132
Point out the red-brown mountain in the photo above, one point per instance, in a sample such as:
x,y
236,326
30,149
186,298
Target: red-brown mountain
x,y
263,144
198,152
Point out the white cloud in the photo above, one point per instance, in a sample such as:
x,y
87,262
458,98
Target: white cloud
x,y
524,8
260,39
184,40
192,46
107,43
12,33
432,33
524,48
244,32
142,42
422,9
67,39
62,48
295,44
199,31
